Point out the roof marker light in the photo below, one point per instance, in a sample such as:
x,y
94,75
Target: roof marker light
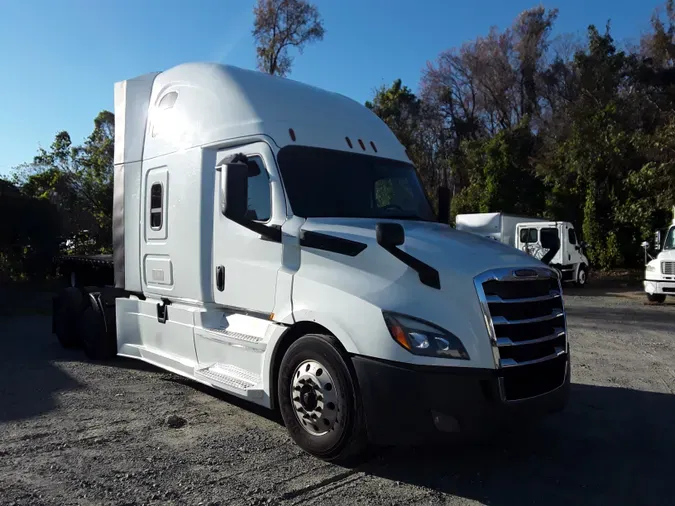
x,y
373,146
363,146
349,143
292,134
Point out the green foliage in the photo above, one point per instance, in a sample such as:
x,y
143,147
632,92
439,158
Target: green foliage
x,y
29,235
580,131
78,180
497,166
64,193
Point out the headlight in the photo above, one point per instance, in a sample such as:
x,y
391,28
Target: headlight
x,y
422,338
650,268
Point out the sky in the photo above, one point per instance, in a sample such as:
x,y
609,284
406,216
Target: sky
x,y
60,59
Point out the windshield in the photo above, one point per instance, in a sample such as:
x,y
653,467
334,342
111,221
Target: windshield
x,y
669,243
328,183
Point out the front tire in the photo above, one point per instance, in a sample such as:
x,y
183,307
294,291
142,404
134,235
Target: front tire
x,y
319,400
582,276
659,298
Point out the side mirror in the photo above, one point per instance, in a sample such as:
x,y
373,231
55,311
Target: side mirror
x,y
645,245
443,204
389,235
657,240
234,190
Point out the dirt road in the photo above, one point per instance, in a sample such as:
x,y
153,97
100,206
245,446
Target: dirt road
x,y
75,432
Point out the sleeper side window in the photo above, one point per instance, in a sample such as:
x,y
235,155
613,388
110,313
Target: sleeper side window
x,y
156,209
259,195
156,206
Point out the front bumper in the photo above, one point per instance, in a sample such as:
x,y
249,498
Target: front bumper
x,y
413,405
659,287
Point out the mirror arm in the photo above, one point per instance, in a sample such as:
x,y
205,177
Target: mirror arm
x,y
270,233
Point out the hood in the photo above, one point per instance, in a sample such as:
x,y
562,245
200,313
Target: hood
x,y
440,246
668,254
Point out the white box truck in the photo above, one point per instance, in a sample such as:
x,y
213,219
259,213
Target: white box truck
x,y
555,243
272,240
659,279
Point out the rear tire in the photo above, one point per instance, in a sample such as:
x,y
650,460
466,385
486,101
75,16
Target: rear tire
x,y
68,307
659,298
324,415
98,342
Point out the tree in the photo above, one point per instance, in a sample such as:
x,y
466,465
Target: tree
x,y
573,129
280,25
78,180
399,108
414,126
29,239
496,167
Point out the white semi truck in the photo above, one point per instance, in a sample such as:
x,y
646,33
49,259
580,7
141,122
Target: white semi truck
x,y
659,279
555,243
272,240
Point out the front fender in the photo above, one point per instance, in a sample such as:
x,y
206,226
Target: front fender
x,y
325,320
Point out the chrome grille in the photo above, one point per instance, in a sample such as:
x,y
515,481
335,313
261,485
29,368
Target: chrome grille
x,y
668,268
525,318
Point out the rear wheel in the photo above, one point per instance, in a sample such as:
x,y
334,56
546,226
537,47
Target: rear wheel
x,y
67,311
98,341
659,298
319,400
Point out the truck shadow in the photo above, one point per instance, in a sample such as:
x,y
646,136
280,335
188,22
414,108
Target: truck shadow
x,y
611,446
30,378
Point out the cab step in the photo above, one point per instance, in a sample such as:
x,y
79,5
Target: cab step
x,y
229,377
226,336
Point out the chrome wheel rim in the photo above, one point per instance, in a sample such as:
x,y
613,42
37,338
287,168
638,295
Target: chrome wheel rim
x,y
582,277
314,396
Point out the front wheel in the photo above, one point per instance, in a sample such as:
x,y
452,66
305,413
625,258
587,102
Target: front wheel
x,y
319,400
659,298
582,276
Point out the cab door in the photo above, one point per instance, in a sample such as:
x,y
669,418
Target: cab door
x,y
574,254
245,265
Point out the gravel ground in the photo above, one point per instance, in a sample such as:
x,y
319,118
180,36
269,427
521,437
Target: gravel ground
x,y
75,432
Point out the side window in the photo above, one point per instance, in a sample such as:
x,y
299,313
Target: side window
x,y
156,204
156,209
259,195
549,233
528,235
572,236
393,192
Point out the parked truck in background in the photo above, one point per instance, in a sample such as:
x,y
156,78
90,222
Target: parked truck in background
x,y
555,243
659,279
272,240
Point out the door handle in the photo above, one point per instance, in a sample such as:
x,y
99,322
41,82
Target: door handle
x,y
220,278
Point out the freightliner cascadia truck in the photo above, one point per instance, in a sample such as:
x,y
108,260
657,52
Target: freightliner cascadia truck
x,y
273,240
